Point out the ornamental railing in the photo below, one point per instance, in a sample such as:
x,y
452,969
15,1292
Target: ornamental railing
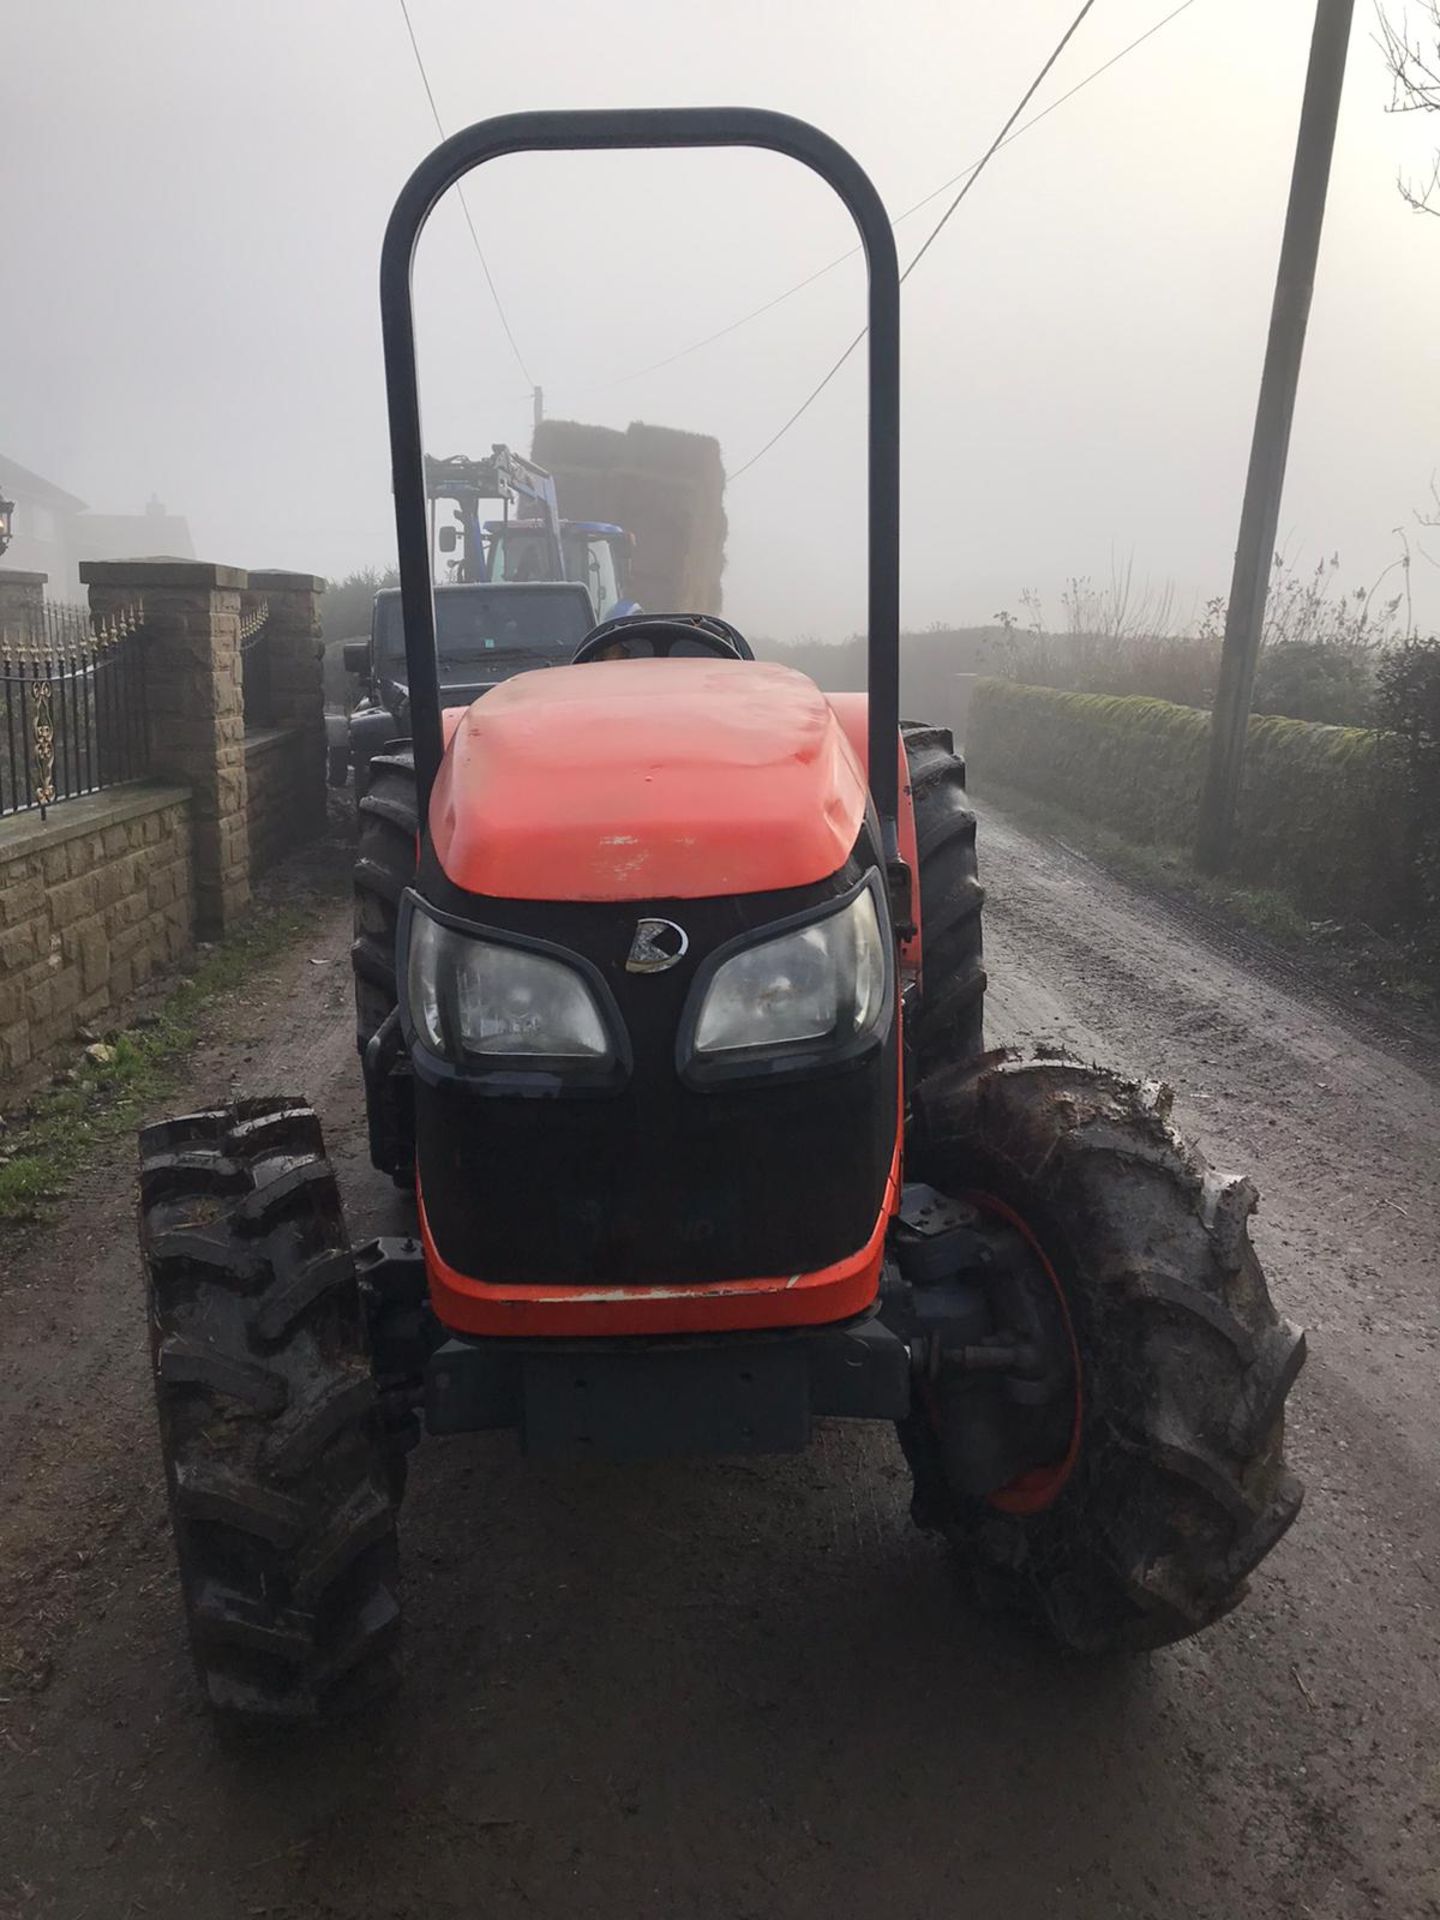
x,y
255,662
72,705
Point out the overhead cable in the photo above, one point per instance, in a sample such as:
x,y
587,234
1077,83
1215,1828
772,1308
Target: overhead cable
x,y
930,237
465,204
965,173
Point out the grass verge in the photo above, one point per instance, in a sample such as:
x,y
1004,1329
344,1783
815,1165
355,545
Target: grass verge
x,y
45,1144
1348,958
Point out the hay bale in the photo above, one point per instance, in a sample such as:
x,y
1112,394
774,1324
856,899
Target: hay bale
x,y
666,487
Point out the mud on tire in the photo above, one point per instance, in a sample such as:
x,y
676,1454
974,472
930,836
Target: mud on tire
x,y
950,1022
1180,1486
384,867
275,1457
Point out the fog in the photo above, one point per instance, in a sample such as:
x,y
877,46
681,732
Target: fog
x,y
194,198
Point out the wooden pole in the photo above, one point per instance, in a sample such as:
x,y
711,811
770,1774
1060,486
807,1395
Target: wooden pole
x,y
1265,480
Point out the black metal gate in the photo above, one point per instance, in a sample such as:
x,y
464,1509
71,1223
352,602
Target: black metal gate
x,y
72,705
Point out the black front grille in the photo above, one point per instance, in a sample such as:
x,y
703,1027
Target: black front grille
x,y
658,1182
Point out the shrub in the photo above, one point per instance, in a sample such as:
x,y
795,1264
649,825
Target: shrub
x,y
345,604
937,667
1132,764
1312,803
1408,713
1317,659
1312,820
1316,680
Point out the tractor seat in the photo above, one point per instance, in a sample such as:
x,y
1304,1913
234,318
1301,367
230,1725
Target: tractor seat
x,y
663,636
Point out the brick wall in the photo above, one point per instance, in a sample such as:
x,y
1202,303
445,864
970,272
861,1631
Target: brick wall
x,y
113,887
93,902
194,709
278,779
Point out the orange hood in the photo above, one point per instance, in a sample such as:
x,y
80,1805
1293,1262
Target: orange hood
x,y
646,780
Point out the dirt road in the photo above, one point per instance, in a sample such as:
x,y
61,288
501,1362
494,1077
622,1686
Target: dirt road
x,y
749,1689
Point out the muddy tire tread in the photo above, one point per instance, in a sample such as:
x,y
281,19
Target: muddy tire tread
x,y
384,867
950,1024
275,1455
1181,1486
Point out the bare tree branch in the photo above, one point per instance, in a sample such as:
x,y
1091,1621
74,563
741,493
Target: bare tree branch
x,y
1414,71
1414,68
1422,198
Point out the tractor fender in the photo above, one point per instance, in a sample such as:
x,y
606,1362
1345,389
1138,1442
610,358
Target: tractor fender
x,y
371,729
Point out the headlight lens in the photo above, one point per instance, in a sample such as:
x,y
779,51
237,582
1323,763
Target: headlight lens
x,y
823,982
476,997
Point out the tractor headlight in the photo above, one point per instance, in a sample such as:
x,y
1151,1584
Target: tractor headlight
x,y
818,987
487,1002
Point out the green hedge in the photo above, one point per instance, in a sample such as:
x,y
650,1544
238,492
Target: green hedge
x,y
1311,805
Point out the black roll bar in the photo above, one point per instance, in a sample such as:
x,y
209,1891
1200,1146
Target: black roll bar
x,y
649,127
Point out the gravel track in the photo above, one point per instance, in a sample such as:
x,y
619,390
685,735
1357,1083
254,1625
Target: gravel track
x,y
749,1688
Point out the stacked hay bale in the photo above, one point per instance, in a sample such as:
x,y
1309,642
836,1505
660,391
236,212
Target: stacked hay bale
x,y
665,487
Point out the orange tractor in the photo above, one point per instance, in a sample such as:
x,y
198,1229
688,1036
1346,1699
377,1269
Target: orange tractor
x,y
669,987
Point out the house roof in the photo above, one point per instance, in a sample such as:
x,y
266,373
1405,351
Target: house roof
x,y
20,483
125,536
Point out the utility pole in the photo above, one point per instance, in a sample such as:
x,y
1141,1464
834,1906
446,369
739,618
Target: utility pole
x,y
1260,513
538,397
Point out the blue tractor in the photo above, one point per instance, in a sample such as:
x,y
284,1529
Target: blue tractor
x,y
530,547
522,592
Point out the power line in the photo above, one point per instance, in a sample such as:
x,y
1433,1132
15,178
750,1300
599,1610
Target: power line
x,y
464,203
930,238
744,320
1058,101
755,313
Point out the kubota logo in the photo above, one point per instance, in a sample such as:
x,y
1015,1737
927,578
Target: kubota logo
x,y
657,945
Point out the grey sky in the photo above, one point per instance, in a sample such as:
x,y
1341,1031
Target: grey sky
x,y
195,191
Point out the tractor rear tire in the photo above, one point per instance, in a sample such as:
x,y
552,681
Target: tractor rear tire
x,y
276,1459
384,866
950,1025
1179,1485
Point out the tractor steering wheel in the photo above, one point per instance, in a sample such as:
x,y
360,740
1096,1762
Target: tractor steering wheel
x,y
657,636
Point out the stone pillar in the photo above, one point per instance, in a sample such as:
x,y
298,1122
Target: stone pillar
x,y
21,597
195,714
297,693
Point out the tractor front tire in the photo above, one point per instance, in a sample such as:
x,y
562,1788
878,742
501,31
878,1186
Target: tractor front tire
x,y
1178,1486
389,823
276,1460
951,1017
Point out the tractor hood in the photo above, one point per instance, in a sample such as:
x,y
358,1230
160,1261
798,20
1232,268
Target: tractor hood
x,y
646,780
